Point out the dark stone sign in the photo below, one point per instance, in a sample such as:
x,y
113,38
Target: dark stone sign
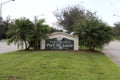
x,y
63,44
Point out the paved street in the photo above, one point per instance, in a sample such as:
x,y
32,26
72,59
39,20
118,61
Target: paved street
x,y
6,48
112,50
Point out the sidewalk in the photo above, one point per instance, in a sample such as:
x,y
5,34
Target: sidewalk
x,y
112,50
114,58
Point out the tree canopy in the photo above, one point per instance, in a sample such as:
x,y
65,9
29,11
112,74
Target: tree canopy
x,y
19,31
3,29
116,30
93,33
40,31
24,32
68,16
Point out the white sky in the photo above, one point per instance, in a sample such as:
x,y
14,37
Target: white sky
x,y
30,8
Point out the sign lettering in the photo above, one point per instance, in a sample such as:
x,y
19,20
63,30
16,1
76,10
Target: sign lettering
x,y
63,44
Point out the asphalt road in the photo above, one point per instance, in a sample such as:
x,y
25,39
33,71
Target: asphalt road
x,y
7,48
112,50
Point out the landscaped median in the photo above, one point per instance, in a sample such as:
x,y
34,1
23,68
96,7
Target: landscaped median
x,y
57,65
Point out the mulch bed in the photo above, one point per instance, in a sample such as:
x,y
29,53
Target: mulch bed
x,y
86,50
80,50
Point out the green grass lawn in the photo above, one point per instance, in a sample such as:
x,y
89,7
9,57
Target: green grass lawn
x,y
57,65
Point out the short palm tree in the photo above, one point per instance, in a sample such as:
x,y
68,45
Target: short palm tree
x,y
19,31
93,33
40,32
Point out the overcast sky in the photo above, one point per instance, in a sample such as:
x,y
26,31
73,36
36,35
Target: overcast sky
x,y
30,8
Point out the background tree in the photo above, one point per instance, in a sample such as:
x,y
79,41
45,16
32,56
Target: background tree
x,y
70,15
116,30
93,32
52,30
19,31
3,29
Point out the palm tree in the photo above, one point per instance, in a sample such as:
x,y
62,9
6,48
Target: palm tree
x,y
93,33
40,32
20,31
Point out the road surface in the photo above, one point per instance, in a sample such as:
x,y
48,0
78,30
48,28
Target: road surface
x,y
112,50
7,48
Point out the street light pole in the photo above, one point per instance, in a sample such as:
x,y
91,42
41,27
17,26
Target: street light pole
x,y
1,4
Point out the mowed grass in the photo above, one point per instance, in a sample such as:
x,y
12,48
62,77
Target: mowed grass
x,y
57,65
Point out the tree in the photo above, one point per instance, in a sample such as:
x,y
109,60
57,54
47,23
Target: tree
x,y
25,32
40,32
116,30
69,16
20,31
52,30
3,29
93,33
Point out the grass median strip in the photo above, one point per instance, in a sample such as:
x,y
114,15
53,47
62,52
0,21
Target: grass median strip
x,y
57,65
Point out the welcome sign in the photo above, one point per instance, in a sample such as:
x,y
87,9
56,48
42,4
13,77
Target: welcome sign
x,y
60,41
55,44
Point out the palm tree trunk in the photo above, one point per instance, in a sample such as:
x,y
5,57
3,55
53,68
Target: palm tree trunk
x,y
26,45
